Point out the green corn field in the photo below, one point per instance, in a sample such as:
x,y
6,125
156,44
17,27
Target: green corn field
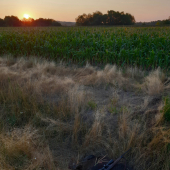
x,y
144,47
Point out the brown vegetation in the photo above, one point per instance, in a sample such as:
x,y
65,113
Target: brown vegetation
x,y
50,114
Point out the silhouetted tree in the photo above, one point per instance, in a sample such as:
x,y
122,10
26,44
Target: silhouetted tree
x,y
110,15
155,23
56,24
27,22
97,18
89,19
82,20
42,22
166,22
105,19
130,19
12,21
2,23
111,18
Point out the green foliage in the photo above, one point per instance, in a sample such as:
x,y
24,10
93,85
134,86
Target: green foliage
x,y
113,110
142,47
17,160
92,105
158,23
168,148
111,18
166,109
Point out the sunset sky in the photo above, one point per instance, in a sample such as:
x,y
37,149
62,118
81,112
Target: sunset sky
x,y
68,10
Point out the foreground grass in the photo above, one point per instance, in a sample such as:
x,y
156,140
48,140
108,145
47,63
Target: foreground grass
x,y
50,114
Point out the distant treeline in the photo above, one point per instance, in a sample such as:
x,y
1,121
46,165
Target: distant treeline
x,y
111,18
155,23
13,21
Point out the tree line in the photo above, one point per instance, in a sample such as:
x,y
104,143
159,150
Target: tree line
x,y
13,21
110,18
163,22
155,23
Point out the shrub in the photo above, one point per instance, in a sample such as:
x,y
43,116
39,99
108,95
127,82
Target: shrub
x,y
166,109
92,105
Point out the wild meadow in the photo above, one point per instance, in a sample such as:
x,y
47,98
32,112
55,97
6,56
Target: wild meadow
x,y
57,104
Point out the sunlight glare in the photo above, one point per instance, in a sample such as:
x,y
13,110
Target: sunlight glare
x,y
26,16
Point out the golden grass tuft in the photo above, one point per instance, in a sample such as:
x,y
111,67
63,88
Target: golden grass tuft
x,y
154,82
94,135
110,75
20,149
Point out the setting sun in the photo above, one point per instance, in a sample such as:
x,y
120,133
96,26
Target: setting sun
x,y
26,16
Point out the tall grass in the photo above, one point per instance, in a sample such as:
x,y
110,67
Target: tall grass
x,y
40,130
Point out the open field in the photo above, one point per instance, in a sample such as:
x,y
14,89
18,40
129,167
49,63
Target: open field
x,y
51,113
143,47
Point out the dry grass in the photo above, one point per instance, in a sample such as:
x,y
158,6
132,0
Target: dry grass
x,y
21,149
109,75
45,119
154,82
